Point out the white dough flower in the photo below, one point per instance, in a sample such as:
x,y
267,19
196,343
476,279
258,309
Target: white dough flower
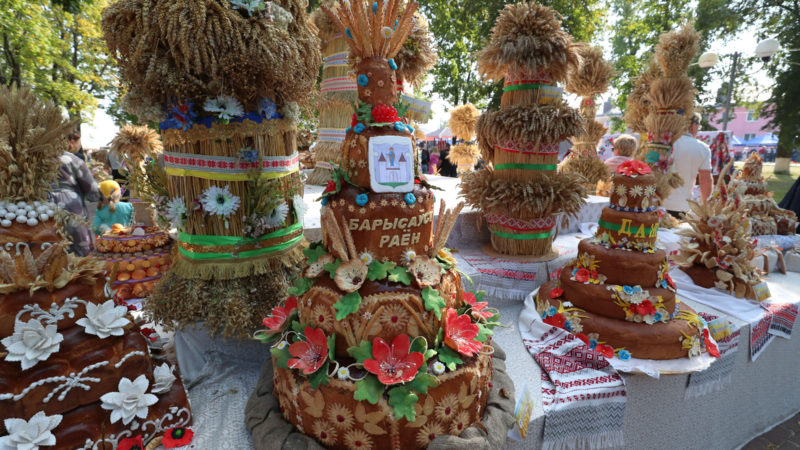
x,y
104,320
30,434
32,342
176,209
225,106
131,401
366,257
277,217
343,373
299,207
409,256
438,368
219,201
163,379
386,32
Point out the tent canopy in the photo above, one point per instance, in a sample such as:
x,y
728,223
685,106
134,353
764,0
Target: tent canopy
x,y
441,133
736,141
765,140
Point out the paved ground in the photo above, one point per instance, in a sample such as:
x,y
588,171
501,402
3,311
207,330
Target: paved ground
x,y
783,436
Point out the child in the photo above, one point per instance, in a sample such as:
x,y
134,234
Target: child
x,y
624,147
111,210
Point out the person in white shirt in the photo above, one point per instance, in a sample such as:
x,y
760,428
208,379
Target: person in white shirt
x,y
691,159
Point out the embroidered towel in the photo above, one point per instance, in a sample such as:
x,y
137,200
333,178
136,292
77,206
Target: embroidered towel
x,y
718,375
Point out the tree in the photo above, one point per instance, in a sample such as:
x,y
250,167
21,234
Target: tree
x,y
461,28
59,53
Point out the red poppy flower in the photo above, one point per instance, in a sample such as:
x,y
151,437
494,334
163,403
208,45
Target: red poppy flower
x,y
277,320
593,275
309,355
177,437
605,350
582,275
460,332
330,187
670,282
556,320
582,337
478,308
633,167
646,308
394,364
557,292
133,443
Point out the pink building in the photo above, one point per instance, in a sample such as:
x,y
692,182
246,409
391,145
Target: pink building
x,y
744,123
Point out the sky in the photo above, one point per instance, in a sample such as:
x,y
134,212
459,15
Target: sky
x,y
102,129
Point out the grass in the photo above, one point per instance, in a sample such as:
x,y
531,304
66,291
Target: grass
x,y
778,184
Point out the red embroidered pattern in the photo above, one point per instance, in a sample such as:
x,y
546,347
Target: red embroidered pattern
x,y
230,165
529,148
544,223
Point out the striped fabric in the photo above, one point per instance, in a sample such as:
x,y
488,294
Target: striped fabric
x,y
338,84
332,134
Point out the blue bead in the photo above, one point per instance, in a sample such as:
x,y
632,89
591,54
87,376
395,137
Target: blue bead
x,y
392,64
358,128
410,198
348,33
375,8
324,201
399,126
362,80
362,199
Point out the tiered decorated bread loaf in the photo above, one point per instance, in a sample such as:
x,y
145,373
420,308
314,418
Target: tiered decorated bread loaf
x,y
765,215
617,295
379,347
75,370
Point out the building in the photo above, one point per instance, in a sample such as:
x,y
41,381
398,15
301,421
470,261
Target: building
x,y
744,122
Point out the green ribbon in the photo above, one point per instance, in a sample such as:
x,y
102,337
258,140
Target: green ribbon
x,y
520,237
247,254
522,87
522,166
204,239
615,227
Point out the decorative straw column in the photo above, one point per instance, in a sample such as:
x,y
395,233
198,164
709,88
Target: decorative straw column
x,y
522,195
226,104
588,81
465,153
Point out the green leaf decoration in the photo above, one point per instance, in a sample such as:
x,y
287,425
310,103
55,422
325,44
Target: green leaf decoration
x,y
331,267
298,327
479,295
379,270
418,345
464,274
401,107
402,401
319,377
369,389
313,253
439,337
347,305
281,356
429,353
483,333
301,286
363,112
423,381
449,357
332,346
433,301
400,275
362,352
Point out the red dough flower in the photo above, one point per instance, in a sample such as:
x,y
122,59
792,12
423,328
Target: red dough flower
x,y
277,320
309,355
582,275
583,337
605,350
460,332
330,187
394,364
177,437
384,114
354,120
478,308
633,167
645,308
711,348
133,443
556,320
557,292
670,282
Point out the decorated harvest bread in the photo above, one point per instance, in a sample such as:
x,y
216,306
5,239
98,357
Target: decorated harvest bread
x,y
75,369
617,295
379,346
766,217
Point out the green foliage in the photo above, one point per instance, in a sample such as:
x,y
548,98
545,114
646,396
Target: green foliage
x,y
362,352
58,49
433,301
379,270
449,357
402,401
332,267
423,381
320,376
400,274
301,286
332,347
313,252
483,333
347,305
369,388
281,356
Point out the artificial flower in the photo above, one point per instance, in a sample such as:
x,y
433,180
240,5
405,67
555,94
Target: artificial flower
x,y
219,201
277,217
386,32
248,154
30,434
331,187
605,350
410,198
299,207
277,321
358,128
460,333
32,342
645,308
350,275
477,309
225,106
582,275
104,320
131,443
309,355
426,271
556,320
409,256
162,379
362,199
366,257
438,368
362,80
268,109
624,355
130,401
582,337
669,280
343,373
557,292
394,364
633,168
177,437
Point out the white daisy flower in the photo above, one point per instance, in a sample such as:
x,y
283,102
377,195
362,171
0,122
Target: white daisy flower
x,y
366,257
438,368
219,201
636,191
299,207
386,32
343,373
621,190
277,217
409,256
225,106
650,190
281,345
176,209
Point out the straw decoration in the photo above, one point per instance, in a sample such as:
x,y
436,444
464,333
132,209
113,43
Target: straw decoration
x,y
462,121
418,53
638,106
593,74
364,26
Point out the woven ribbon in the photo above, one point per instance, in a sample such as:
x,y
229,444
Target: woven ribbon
x,y
523,166
207,247
539,228
617,227
332,134
338,84
336,60
225,168
326,165
529,148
